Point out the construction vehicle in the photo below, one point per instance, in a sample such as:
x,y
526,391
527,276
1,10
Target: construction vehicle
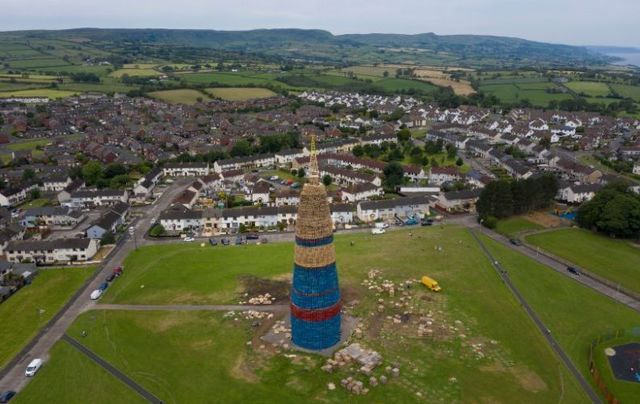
x,y
431,284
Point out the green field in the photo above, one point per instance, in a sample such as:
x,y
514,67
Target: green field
x,y
575,314
30,308
141,72
516,92
203,349
627,91
40,92
37,63
227,79
184,96
616,260
76,369
590,88
513,226
239,93
28,145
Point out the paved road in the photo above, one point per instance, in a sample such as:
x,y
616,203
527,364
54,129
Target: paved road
x,y
538,322
111,369
193,307
561,268
13,374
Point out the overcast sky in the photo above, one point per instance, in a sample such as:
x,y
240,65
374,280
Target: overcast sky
x,y
580,22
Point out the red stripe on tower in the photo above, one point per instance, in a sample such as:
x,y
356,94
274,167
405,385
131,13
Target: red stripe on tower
x,y
316,315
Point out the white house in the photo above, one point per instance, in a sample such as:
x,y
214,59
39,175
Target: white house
x,y
361,192
391,209
66,250
88,198
195,169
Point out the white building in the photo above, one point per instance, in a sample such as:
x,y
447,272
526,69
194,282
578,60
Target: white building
x,y
52,251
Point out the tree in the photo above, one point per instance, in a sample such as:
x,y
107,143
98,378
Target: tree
x,y
459,162
91,172
358,151
614,210
28,175
301,172
327,180
113,170
452,151
404,135
393,175
35,193
108,238
241,148
157,230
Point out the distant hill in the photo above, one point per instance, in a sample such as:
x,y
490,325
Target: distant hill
x,y
323,46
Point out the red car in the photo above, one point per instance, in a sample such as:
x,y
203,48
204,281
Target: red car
x,y
117,271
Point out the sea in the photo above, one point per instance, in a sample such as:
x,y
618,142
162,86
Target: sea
x,y
628,58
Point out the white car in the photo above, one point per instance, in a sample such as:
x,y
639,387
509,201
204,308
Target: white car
x,y
95,295
377,230
274,178
189,239
153,220
33,367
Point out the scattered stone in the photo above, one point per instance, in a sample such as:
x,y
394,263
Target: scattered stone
x,y
331,386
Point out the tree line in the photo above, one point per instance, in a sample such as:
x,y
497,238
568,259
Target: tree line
x,y
615,211
503,198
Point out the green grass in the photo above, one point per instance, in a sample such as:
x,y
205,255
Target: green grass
x,y
519,366
515,92
21,314
239,93
28,145
35,203
41,92
184,96
514,225
590,88
627,91
37,63
142,72
228,79
69,367
575,314
616,260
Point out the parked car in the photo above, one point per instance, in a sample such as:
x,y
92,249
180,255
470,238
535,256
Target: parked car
x,y
225,241
213,241
103,286
110,277
117,271
264,240
153,220
33,367
6,396
95,295
253,236
378,230
189,239
515,241
573,270
274,178
426,222
240,240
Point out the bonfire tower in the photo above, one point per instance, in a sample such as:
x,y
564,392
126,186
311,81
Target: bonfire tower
x,y
315,295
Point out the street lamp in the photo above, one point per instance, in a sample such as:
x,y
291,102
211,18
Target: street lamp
x,y
132,232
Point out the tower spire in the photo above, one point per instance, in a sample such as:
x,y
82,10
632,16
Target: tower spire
x,y
314,175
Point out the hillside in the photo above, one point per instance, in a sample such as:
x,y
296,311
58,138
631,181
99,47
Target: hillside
x,y
322,46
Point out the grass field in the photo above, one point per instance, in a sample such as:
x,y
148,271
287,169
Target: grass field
x,y
31,307
184,96
35,203
575,314
37,92
202,349
513,226
28,145
69,368
534,92
141,72
590,88
240,93
615,260
627,91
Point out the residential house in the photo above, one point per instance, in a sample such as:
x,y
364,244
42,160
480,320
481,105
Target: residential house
x,y
389,210
47,252
459,201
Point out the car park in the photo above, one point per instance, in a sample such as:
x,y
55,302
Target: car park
x,y
33,367
5,396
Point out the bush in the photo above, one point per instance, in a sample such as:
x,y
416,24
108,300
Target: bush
x,y
157,230
108,238
489,222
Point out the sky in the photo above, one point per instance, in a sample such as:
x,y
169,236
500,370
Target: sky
x,y
576,22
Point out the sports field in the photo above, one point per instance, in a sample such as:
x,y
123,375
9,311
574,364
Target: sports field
x,y
205,350
31,307
616,260
239,93
184,96
575,314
